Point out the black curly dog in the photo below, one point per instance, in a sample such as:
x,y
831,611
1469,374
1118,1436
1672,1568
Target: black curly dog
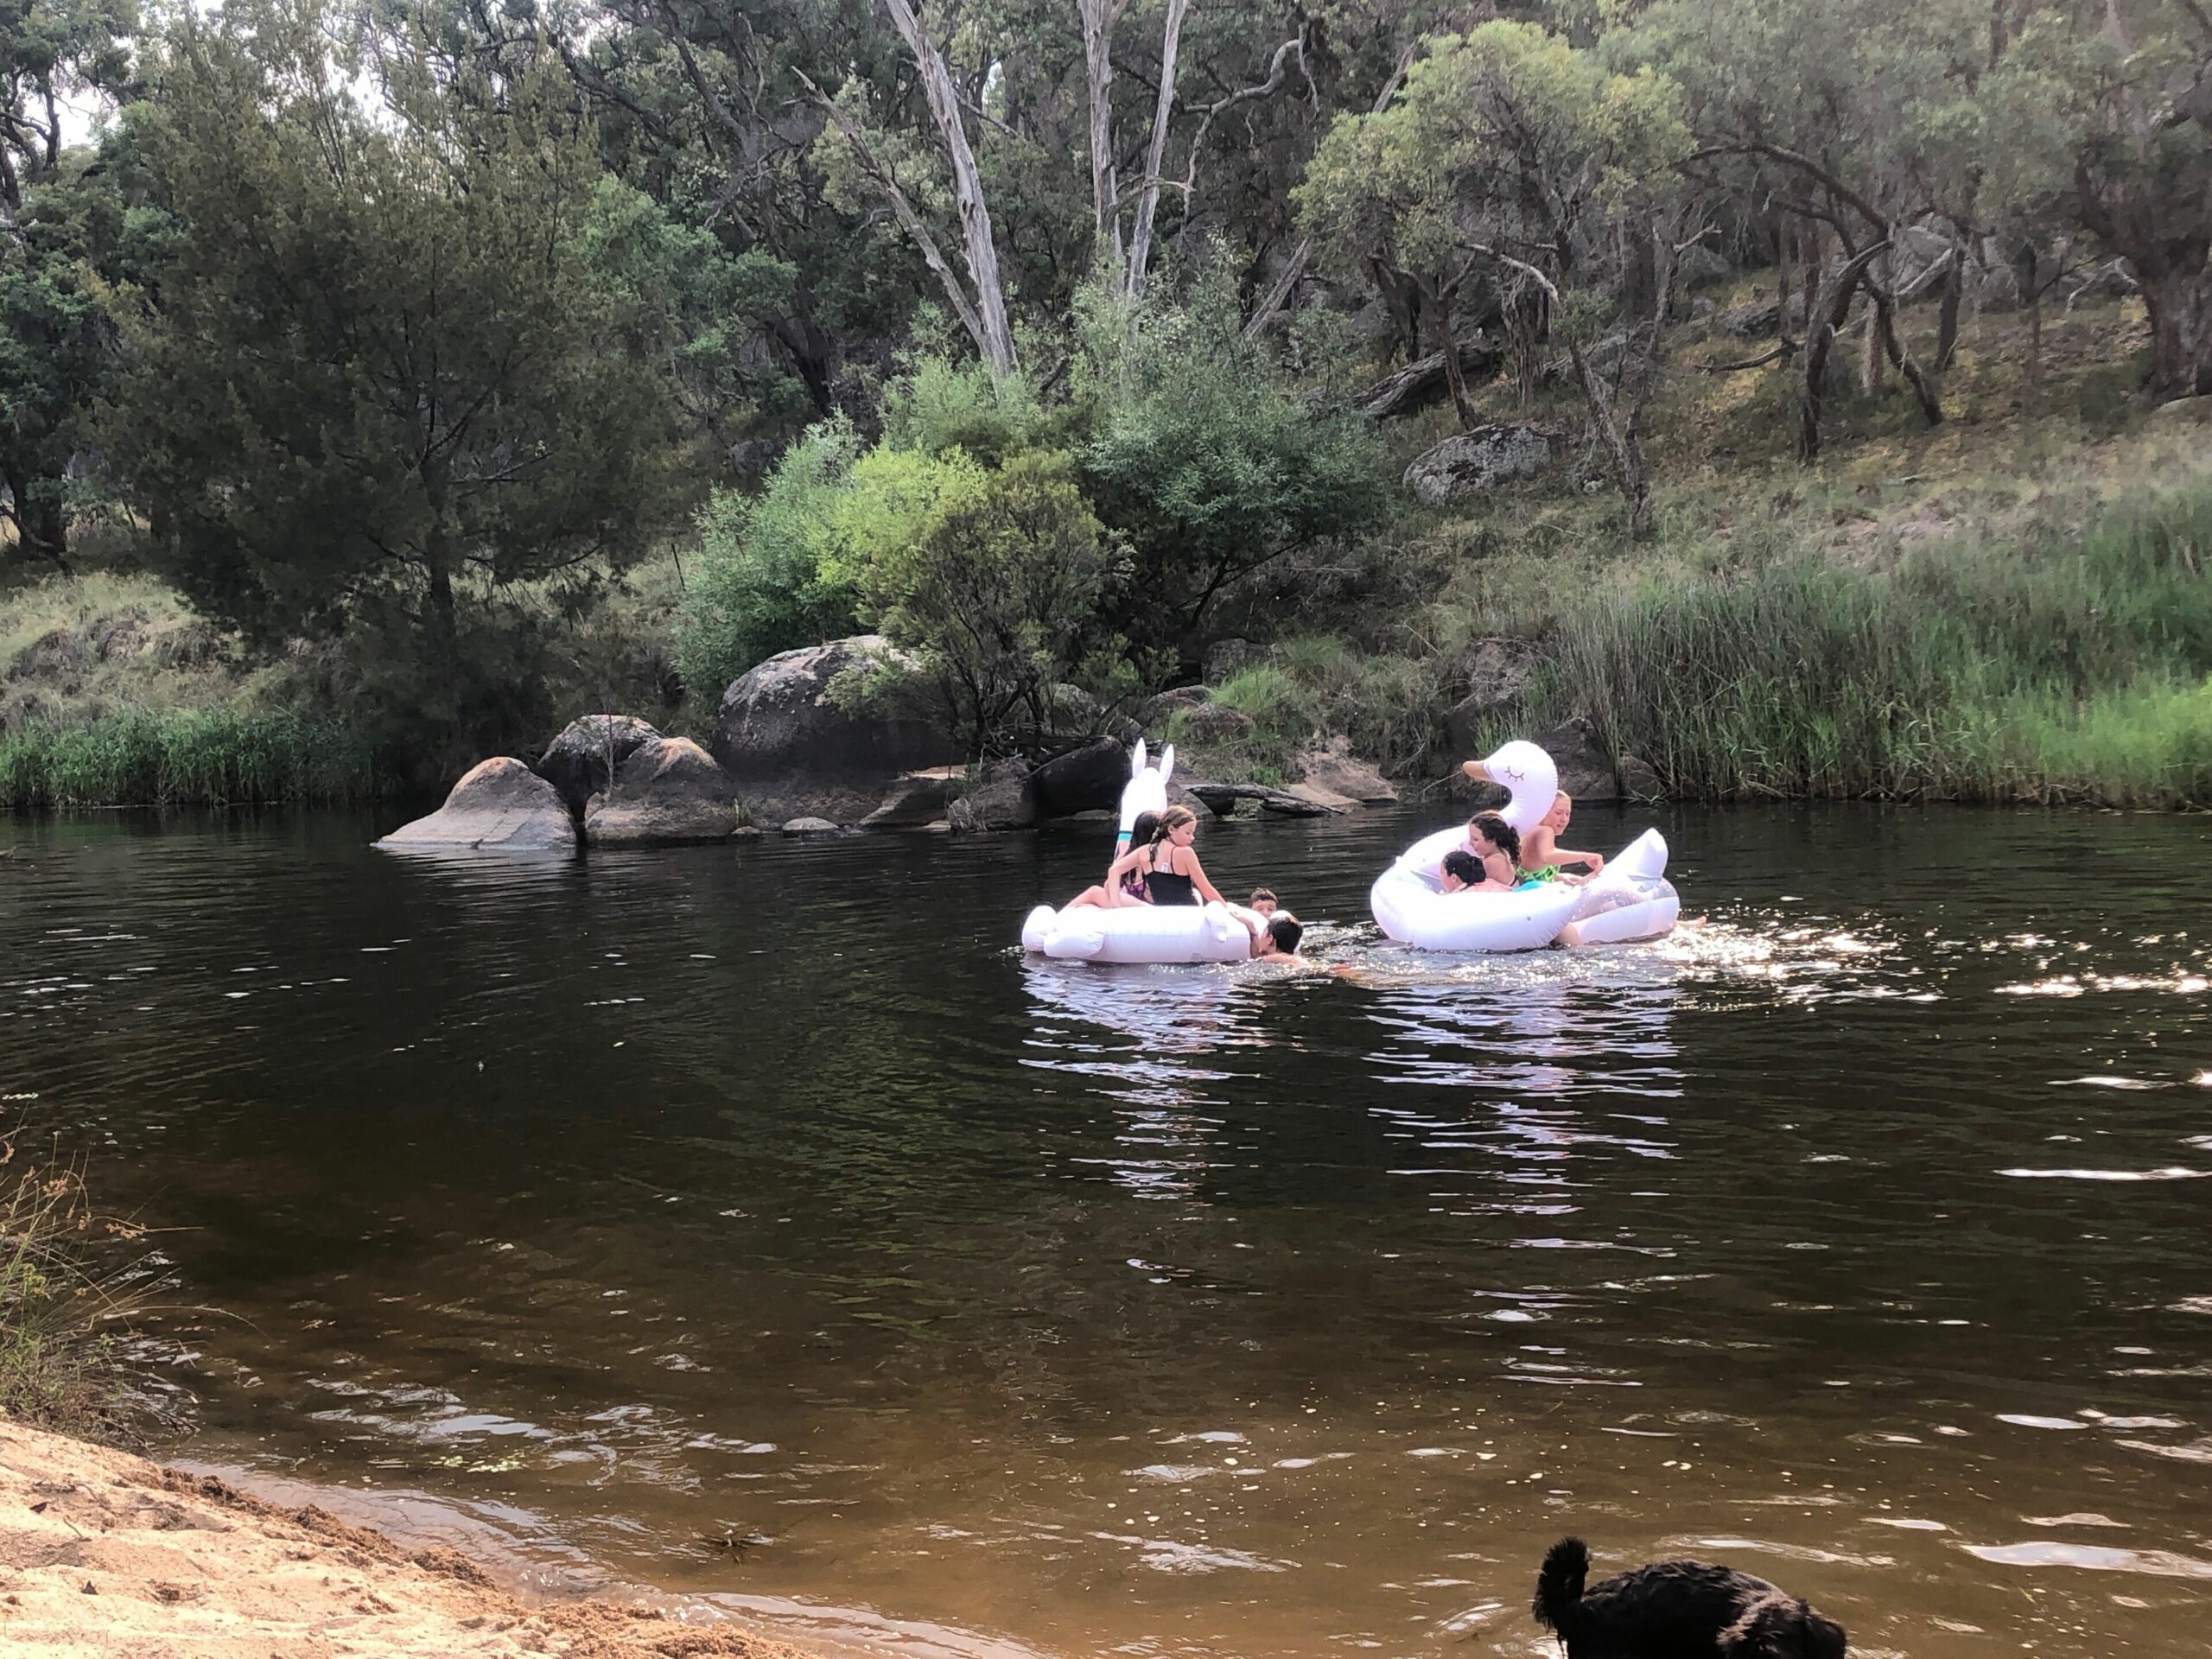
x,y
1675,1610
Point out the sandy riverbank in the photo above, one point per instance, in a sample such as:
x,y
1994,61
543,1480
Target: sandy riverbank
x,y
106,1554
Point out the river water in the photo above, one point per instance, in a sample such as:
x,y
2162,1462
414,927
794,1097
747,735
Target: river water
x,y
1859,1239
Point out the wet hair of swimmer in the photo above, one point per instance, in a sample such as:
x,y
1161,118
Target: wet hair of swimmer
x,y
1286,931
1500,834
1263,896
1459,863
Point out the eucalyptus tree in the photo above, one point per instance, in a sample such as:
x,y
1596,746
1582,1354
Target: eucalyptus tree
x,y
59,217
382,392
1514,157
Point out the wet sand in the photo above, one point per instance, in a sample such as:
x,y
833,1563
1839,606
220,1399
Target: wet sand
x,y
107,1553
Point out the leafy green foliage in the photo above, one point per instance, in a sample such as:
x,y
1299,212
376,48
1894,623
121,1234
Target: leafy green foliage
x,y
382,391
758,587
1208,467
995,590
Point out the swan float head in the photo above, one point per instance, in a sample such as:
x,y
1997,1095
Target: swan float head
x,y
1529,778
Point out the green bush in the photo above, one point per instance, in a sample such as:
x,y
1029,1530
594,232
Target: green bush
x,y
1208,467
995,589
758,588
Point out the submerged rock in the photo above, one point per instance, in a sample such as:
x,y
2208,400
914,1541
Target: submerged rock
x,y
668,790
500,806
583,760
793,752
811,827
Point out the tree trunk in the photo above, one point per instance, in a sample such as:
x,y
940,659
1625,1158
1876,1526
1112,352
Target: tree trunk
x,y
1623,451
1302,256
1156,158
967,190
1455,374
1831,305
1785,233
1811,254
2177,298
1413,386
1947,315
1872,380
1099,17
41,527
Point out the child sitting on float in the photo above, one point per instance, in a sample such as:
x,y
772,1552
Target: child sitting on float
x,y
1542,857
1177,877
1493,846
1125,876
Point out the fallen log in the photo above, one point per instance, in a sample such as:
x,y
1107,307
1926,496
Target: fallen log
x,y
1421,382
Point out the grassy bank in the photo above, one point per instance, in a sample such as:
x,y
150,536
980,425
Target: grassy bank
x,y
113,694
2060,654
187,758
2013,606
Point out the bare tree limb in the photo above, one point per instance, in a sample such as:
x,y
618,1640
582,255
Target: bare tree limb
x,y
1780,352
909,220
1295,45
997,333
1302,255
1148,201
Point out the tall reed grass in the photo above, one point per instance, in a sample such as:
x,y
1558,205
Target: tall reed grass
x,y
187,758
2068,664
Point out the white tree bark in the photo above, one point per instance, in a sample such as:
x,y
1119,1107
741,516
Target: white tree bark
x,y
1099,17
967,190
1148,200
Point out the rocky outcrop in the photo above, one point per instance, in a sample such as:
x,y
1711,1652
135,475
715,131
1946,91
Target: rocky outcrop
x,y
1227,657
916,799
1222,799
791,753
500,806
1586,767
1335,776
1477,462
1497,671
1214,723
1154,713
810,826
583,760
668,790
1087,779
1003,800
1640,779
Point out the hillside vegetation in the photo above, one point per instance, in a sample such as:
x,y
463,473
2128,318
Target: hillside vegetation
x,y
579,359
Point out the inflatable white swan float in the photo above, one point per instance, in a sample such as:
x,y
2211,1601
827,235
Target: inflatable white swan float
x,y
1632,900
1139,932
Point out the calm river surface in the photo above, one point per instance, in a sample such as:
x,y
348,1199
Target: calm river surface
x,y
1859,1239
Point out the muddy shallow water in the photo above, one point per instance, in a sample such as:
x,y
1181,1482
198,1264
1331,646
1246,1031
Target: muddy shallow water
x,y
1861,1239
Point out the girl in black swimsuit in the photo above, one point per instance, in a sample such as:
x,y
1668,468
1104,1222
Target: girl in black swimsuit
x,y
1177,877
